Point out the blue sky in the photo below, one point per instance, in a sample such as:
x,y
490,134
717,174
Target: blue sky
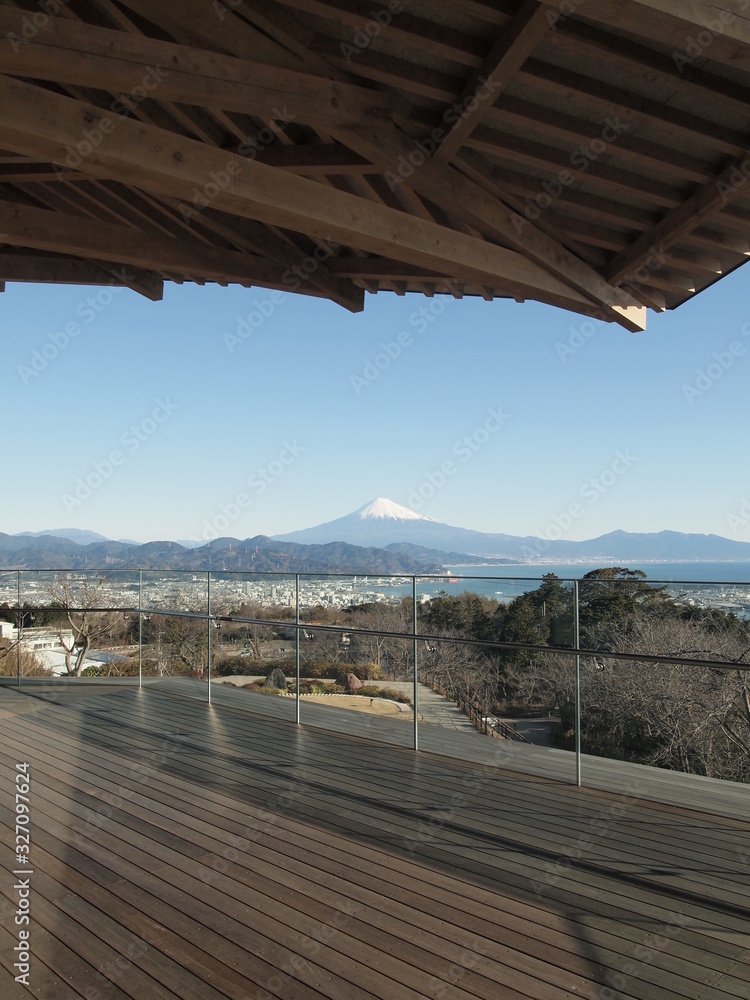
x,y
179,420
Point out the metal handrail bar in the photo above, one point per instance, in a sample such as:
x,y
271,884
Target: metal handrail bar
x,y
426,636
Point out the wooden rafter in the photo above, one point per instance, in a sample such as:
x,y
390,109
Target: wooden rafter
x,y
396,153
505,58
731,184
38,229
82,55
35,121
306,142
726,23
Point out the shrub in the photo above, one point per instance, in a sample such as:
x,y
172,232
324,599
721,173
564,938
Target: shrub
x,y
371,691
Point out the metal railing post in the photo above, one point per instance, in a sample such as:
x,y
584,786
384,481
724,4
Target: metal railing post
x,y
576,643
209,624
140,628
19,629
416,676
296,649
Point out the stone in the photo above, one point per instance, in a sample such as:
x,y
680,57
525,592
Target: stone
x,y
276,679
350,682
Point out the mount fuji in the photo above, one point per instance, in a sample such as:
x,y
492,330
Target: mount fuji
x,y
382,523
385,524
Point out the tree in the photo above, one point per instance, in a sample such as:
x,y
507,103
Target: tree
x,y
540,617
613,598
391,657
687,718
467,615
88,628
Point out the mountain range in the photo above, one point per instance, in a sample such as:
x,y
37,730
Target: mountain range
x,y
253,555
382,523
380,537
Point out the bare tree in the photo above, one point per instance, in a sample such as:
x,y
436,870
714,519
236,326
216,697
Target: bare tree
x,y
689,718
389,656
693,719
87,627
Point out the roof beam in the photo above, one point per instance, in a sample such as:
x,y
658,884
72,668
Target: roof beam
x,y
445,186
37,122
202,23
711,198
113,61
73,271
382,268
58,232
507,55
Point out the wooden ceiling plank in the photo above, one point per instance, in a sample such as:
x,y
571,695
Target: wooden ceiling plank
x,y
580,135
397,23
507,55
730,184
32,120
483,173
592,208
27,173
201,23
725,32
584,42
613,100
551,164
318,160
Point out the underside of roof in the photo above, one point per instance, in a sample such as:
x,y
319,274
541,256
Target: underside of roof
x,y
589,154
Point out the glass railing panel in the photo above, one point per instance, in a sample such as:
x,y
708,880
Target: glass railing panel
x,y
79,588
337,592
73,624
174,653
469,689
698,621
240,593
688,719
251,639
358,684
8,588
502,708
8,626
498,609
174,590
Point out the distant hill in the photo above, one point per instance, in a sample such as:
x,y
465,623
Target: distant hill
x,y
79,535
257,555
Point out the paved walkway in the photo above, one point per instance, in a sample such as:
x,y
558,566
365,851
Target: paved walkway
x,y
433,707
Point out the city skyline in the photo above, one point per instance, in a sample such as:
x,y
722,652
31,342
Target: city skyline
x,y
277,412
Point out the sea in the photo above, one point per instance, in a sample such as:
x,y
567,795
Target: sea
x,y
702,580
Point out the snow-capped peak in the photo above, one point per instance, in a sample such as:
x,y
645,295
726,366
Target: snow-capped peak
x,y
384,509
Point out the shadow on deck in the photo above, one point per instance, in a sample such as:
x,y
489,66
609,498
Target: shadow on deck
x,y
195,851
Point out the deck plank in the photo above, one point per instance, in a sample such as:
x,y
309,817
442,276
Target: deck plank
x,y
254,855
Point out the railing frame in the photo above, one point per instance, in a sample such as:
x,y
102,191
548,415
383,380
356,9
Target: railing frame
x,y
215,620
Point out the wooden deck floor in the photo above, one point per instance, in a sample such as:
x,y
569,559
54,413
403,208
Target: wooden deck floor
x,y
181,850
